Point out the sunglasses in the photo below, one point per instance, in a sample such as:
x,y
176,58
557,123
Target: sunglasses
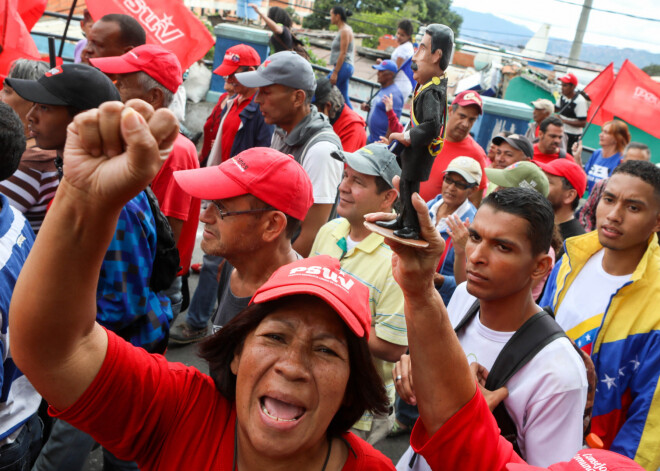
x,y
458,184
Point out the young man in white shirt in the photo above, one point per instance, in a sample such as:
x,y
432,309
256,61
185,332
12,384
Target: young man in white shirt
x,y
506,251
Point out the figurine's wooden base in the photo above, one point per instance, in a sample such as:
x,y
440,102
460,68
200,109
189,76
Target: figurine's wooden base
x,y
389,233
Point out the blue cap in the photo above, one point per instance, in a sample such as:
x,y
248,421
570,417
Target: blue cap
x,y
386,65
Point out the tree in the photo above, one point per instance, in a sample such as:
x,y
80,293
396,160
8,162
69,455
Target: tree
x,y
652,69
378,17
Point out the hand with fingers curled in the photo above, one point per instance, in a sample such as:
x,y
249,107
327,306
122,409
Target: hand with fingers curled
x,y
113,152
388,101
493,398
403,380
413,268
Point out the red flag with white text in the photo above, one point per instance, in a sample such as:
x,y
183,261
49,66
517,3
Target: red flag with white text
x,y
635,98
15,39
168,23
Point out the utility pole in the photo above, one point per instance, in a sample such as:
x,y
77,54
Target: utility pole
x,y
576,48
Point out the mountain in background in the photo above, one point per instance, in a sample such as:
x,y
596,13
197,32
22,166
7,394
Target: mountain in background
x,y
496,31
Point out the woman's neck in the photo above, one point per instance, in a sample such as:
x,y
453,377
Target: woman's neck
x,y
609,151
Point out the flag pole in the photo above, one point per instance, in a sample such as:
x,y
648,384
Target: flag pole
x,y
584,131
66,27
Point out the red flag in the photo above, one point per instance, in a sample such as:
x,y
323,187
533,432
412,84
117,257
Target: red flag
x,y
635,98
168,23
31,11
598,90
15,40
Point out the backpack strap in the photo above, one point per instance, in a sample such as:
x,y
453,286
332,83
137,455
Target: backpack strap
x,y
537,332
468,316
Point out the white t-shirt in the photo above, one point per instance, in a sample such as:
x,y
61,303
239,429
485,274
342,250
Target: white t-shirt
x,y
351,244
581,320
323,171
546,396
580,112
401,80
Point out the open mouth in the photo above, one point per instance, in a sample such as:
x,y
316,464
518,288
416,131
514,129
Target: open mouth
x,y
280,411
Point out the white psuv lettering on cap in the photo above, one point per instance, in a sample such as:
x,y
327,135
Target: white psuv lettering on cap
x,y
592,465
326,273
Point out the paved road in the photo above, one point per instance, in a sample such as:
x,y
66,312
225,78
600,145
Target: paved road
x,y
392,448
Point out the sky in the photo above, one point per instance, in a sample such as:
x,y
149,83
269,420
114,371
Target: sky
x,y
602,29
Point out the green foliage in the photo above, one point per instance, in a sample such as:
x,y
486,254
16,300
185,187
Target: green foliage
x,y
313,58
379,17
652,69
294,16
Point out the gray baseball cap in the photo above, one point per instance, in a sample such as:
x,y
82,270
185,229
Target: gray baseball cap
x,y
284,68
517,142
373,159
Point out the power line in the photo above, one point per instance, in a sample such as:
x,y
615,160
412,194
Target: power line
x,y
629,15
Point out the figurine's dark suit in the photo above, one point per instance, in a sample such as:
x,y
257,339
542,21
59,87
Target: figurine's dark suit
x,y
426,128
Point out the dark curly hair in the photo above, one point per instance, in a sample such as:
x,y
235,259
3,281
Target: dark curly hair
x,y
12,140
646,171
364,390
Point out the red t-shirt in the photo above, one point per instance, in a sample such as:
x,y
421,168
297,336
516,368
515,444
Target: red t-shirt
x,y
547,158
168,416
450,150
230,127
469,441
350,127
176,203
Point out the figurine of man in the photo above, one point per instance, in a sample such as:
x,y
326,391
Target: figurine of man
x,y
423,138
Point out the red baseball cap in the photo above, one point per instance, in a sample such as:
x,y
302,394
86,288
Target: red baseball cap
x,y
156,61
273,177
238,56
585,460
467,98
569,170
569,78
322,277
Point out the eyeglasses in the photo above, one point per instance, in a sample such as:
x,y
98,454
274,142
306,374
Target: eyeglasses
x,y
223,214
458,184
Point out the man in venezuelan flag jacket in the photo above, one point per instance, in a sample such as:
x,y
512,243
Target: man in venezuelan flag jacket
x,y
605,292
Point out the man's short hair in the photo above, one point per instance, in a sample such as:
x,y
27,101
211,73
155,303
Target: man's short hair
x,y
533,207
309,96
147,83
131,33
646,171
638,146
566,185
12,141
552,119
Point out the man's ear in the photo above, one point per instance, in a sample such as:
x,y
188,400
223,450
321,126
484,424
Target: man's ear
x,y
274,224
569,196
437,55
299,97
542,267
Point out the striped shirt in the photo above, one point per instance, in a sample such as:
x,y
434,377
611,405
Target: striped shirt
x,y
18,399
33,185
370,262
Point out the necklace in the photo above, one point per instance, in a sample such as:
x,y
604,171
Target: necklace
x,y
235,461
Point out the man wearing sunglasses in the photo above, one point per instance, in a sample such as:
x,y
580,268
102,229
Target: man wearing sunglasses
x,y
250,220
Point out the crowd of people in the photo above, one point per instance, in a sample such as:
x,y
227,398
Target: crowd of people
x,y
524,336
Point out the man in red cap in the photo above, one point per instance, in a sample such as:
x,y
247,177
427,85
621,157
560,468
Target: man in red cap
x,y
153,74
240,125
236,124
464,111
257,202
567,183
572,109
